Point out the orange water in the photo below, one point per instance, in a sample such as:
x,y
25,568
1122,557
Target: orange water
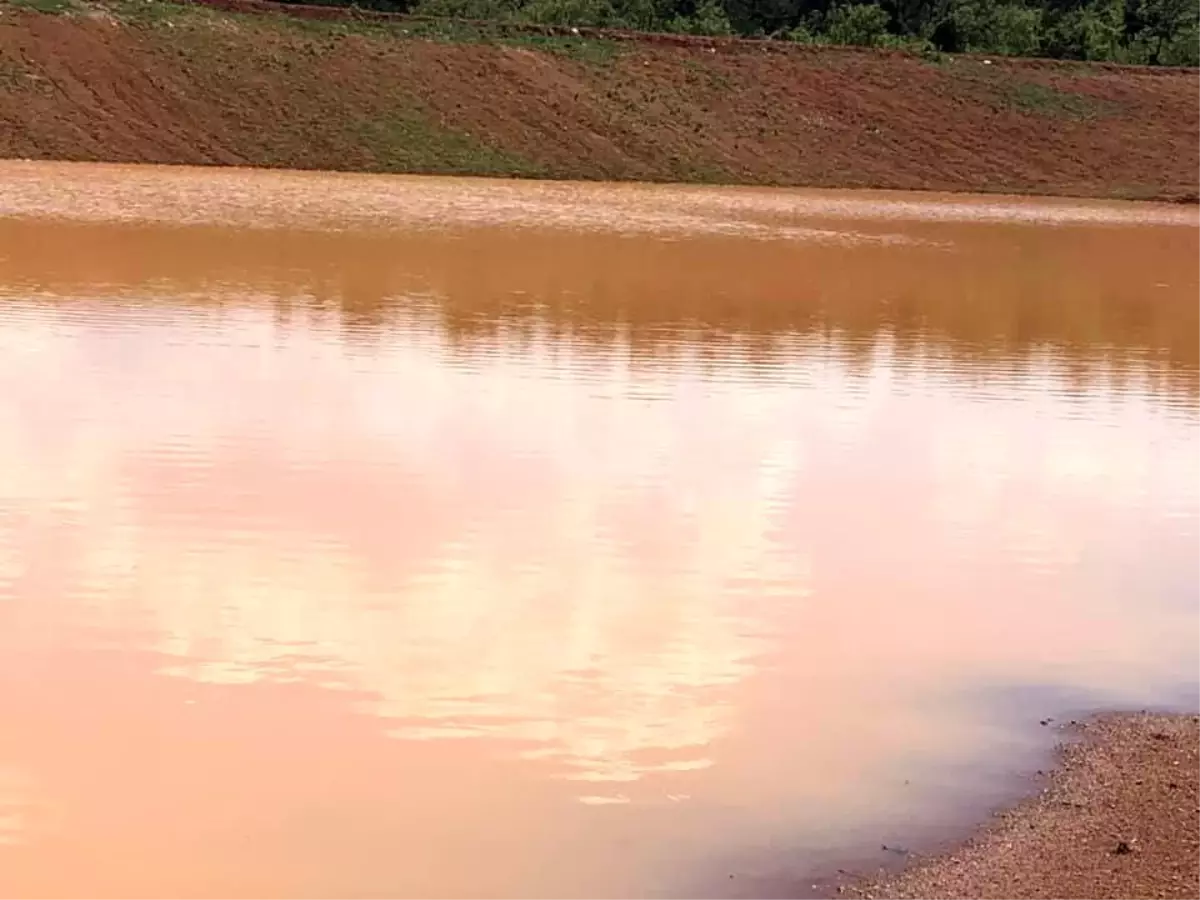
x,y
374,536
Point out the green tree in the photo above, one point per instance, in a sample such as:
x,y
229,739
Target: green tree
x,y
1007,28
917,18
1094,31
467,9
1183,49
708,17
770,16
1166,31
597,13
861,24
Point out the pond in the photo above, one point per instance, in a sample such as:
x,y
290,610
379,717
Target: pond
x,y
377,536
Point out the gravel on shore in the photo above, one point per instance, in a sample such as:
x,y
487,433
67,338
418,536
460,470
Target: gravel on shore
x,y
1119,818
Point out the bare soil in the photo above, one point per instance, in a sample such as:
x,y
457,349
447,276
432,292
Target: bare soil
x,y
1120,818
148,81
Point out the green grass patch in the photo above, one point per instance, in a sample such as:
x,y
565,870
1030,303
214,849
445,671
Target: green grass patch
x,y
410,142
51,7
1042,100
586,50
157,12
972,80
934,57
333,27
583,49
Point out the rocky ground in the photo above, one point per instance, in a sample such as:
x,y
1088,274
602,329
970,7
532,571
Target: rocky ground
x,y
1120,818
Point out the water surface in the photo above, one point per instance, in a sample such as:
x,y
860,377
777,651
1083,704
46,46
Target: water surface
x,y
398,537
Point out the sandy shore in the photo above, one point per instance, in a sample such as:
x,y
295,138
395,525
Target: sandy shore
x,y
1119,818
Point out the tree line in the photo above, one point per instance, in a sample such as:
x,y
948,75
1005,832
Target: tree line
x,y
1151,32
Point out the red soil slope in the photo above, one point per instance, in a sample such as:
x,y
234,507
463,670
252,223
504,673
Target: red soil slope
x,y
151,82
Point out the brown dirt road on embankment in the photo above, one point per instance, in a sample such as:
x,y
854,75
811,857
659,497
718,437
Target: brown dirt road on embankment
x,y
147,81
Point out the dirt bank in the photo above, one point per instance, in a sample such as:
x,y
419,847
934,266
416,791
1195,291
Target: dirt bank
x,y
1120,818
145,81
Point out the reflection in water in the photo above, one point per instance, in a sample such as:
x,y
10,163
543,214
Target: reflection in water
x,y
484,562
15,823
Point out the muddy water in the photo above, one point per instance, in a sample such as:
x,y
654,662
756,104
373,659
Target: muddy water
x,y
389,537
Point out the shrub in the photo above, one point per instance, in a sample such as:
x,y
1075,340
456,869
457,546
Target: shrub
x,y
709,18
860,24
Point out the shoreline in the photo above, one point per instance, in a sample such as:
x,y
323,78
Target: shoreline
x,y
1118,816
985,194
